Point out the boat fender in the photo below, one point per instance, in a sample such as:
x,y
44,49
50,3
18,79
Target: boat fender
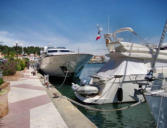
x,y
120,94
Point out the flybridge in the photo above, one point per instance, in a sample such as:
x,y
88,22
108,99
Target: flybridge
x,y
61,47
57,50
56,47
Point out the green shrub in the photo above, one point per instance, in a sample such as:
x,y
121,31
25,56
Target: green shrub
x,y
18,67
1,81
20,64
26,62
11,65
8,67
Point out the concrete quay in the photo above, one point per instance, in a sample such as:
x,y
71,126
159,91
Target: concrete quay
x,y
71,115
31,105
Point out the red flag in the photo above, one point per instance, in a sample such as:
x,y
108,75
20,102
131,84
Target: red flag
x,y
98,37
99,32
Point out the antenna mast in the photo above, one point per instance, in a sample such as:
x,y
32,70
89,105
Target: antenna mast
x,y
108,24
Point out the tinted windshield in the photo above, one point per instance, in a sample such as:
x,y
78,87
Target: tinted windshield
x,y
51,51
64,50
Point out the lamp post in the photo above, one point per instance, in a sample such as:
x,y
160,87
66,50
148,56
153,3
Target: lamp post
x,y
17,50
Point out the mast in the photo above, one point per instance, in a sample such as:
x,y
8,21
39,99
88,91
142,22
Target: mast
x,y
108,24
160,44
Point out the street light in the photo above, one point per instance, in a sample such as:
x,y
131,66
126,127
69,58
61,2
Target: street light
x,y
16,50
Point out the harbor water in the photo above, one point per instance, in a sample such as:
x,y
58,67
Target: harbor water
x,y
136,117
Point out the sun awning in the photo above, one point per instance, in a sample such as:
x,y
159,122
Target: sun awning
x,y
122,67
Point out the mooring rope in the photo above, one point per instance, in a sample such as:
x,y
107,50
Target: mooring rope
x,y
102,110
64,80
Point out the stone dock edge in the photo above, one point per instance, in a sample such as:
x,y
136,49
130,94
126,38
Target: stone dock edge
x,y
71,115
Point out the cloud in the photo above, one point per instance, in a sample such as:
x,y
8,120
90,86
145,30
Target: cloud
x,y
96,48
156,40
46,39
7,38
30,39
85,45
42,39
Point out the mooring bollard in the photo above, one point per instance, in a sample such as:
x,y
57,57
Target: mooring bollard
x,y
46,80
33,73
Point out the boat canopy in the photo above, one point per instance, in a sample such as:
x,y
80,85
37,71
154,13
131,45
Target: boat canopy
x,y
134,50
122,67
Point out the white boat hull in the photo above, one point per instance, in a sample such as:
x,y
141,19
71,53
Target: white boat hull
x,y
159,112
57,65
109,93
127,60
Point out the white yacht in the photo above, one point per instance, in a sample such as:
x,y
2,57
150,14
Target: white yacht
x,y
62,62
124,76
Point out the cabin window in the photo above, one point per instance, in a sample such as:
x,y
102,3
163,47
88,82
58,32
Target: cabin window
x,y
51,51
163,48
64,50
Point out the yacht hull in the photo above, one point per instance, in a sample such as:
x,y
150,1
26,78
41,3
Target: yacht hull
x,y
158,106
109,93
59,65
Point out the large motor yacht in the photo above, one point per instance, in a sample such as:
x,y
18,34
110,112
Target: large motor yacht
x,y
61,62
123,77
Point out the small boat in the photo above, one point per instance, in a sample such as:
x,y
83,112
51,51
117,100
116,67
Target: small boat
x,y
61,62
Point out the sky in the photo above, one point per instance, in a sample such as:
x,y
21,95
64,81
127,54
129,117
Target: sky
x,y
72,23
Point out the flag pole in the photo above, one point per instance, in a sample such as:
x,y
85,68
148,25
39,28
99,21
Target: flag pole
x,y
108,24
